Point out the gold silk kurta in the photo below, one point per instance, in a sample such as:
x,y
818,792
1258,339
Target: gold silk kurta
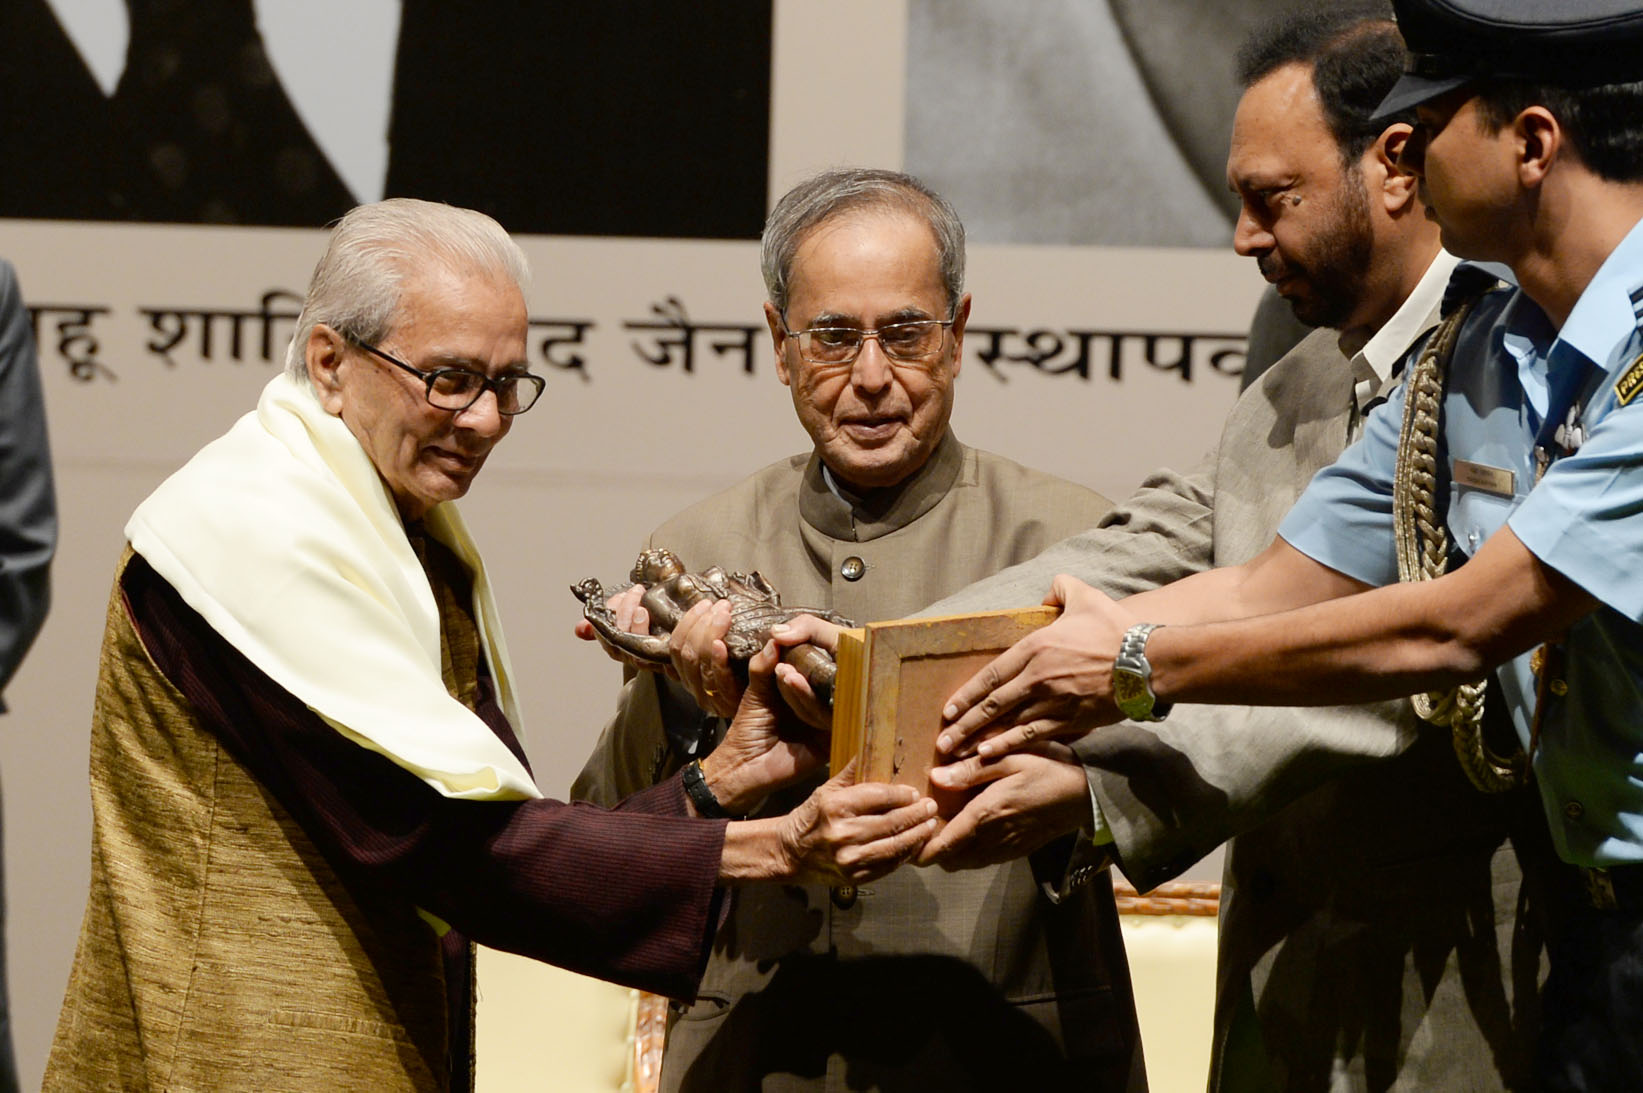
x,y
220,950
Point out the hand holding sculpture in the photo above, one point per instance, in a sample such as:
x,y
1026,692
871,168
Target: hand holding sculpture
x,y
670,592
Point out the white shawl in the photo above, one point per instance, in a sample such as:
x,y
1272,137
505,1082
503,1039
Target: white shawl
x,y
284,537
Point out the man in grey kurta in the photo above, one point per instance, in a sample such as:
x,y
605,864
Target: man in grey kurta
x,y
1370,927
924,979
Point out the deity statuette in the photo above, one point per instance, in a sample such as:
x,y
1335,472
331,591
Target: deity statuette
x,y
670,591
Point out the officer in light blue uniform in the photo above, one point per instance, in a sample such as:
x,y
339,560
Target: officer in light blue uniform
x,y
1529,149
1514,381
1542,433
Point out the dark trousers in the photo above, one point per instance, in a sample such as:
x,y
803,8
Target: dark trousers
x,y
1592,1007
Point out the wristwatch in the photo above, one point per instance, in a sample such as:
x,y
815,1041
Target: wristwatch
x,y
1132,677
701,794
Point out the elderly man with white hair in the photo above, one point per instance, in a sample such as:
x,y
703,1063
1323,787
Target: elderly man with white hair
x,y
308,795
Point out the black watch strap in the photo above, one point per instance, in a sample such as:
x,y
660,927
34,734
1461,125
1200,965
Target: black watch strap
x,y
696,788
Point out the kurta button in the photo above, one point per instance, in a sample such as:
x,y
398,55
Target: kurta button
x,y
1574,810
852,568
1557,687
844,896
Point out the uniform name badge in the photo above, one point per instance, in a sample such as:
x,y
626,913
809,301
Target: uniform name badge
x,y
1481,476
1630,382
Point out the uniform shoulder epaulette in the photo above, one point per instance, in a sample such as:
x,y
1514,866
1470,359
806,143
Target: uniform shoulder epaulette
x,y
1470,280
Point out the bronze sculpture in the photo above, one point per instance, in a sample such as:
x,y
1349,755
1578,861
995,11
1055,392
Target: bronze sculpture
x,y
670,591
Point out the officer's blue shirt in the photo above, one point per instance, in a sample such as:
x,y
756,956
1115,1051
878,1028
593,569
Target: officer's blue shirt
x,y
1583,519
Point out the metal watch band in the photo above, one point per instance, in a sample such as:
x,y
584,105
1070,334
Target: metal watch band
x,y
1132,677
696,788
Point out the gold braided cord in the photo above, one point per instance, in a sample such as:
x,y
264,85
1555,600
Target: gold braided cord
x,y
1423,552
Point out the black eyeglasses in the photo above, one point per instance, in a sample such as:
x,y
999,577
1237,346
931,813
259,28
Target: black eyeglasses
x,y
456,389
918,342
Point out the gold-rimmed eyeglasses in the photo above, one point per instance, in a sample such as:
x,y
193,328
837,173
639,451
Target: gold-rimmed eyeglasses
x,y
916,342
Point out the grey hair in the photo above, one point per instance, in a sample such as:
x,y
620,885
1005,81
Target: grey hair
x,y
374,249
852,189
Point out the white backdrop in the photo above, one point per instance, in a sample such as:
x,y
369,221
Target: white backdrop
x,y
621,440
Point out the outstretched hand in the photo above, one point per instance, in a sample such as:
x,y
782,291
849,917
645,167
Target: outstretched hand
x,y
843,833
849,833
795,689
698,658
631,617
701,661
765,748
1055,682
1027,798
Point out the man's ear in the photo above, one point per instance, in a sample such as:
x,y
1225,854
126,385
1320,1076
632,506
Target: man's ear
x,y
778,338
1397,185
961,318
324,355
1540,140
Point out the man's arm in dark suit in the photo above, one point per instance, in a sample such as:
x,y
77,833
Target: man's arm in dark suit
x,y
28,508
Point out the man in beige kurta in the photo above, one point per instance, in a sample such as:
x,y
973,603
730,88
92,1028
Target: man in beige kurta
x,y
924,979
